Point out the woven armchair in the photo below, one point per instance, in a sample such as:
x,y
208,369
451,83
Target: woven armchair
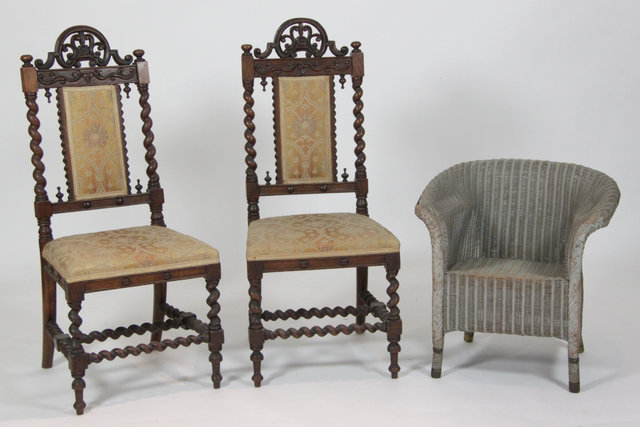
x,y
507,240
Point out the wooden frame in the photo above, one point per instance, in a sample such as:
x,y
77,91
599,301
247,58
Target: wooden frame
x,y
308,36
74,46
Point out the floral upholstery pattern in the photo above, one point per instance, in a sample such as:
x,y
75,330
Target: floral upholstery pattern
x,y
125,251
94,136
305,129
317,235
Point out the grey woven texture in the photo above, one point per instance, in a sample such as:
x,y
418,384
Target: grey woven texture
x,y
507,240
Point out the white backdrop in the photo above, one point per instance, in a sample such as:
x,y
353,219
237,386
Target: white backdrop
x,y
446,81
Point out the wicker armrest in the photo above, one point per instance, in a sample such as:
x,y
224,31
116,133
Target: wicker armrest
x,y
593,212
443,209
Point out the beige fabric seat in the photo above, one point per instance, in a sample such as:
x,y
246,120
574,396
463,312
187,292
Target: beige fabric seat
x,y
125,252
317,235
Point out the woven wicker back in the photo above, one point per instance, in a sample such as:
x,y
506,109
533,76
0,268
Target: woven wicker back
x,y
521,209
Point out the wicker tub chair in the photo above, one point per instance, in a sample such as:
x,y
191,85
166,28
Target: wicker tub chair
x,y
507,240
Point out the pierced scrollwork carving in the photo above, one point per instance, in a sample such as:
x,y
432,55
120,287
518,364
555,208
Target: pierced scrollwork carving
x,y
300,35
82,43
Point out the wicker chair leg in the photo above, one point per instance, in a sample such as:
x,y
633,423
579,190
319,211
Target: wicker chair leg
x,y
574,375
159,298
436,364
48,314
468,337
574,365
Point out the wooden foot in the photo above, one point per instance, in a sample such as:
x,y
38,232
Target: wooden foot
x,y
215,358
47,349
394,348
256,358
78,386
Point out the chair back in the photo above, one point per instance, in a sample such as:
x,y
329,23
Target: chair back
x,y
304,116
89,105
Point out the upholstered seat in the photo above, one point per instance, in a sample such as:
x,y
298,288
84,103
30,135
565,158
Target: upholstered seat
x,y
125,251
317,235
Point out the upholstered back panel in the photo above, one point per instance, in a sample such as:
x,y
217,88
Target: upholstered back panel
x,y
517,209
304,130
93,138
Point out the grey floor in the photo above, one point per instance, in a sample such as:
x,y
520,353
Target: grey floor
x,y
496,380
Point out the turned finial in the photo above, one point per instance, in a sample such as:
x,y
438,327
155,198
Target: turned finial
x,y
355,46
59,195
345,175
138,54
246,48
26,59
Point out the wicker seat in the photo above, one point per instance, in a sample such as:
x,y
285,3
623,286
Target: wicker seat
x,y
507,238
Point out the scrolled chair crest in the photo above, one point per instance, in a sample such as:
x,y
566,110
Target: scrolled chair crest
x,y
300,35
82,43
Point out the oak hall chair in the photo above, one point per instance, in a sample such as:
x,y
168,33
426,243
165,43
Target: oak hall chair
x,y
507,239
89,105
306,163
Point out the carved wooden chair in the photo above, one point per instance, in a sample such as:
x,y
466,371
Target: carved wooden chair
x,y
89,105
507,238
306,163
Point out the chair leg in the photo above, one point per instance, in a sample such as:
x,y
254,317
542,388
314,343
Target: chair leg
x,y
159,298
574,363
394,324
256,330
77,356
216,335
468,337
361,285
48,314
438,344
574,374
